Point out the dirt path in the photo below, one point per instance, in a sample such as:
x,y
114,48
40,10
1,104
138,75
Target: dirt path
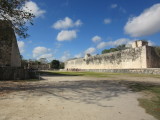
x,y
70,98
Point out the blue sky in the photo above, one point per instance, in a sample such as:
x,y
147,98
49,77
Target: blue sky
x,y
66,29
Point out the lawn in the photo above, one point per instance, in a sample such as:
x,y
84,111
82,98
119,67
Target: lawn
x,y
96,74
151,100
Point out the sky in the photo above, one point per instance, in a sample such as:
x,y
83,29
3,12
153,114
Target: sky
x,y
65,29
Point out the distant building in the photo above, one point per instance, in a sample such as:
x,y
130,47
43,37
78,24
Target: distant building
x,y
9,52
38,65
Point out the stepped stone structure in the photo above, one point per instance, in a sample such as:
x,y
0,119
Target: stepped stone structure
x,y
9,52
138,57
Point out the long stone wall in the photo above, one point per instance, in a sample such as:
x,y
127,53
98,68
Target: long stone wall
x,y
129,58
138,57
155,71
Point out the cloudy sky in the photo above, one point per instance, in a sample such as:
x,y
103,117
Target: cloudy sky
x,y
66,29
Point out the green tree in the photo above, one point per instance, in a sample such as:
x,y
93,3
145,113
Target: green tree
x,y
12,10
120,47
55,64
109,50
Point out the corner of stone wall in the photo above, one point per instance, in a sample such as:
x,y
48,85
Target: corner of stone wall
x,y
153,60
144,63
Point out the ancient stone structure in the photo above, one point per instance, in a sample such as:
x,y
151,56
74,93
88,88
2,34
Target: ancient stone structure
x,y
9,52
139,56
36,66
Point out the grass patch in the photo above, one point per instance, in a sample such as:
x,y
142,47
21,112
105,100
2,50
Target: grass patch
x,y
68,73
96,74
151,103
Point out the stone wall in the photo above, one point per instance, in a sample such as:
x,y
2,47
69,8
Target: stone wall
x,y
155,71
14,73
129,58
42,66
153,59
15,54
138,57
9,52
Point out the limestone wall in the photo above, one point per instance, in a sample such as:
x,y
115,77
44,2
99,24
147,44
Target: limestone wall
x,y
15,54
5,44
129,58
155,71
9,52
153,59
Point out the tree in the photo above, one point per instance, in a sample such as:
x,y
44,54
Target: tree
x,y
55,64
109,50
12,10
120,47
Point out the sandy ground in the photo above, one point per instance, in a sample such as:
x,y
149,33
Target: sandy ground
x,y
71,98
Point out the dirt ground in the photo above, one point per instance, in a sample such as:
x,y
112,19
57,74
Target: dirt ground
x,y
72,98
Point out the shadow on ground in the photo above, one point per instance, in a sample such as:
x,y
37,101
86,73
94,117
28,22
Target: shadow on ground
x,y
89,92
45,73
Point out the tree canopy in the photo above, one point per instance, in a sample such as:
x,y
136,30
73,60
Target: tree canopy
x,y
13,10
55,64
120,47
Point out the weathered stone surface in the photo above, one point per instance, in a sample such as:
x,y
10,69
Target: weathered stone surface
x,y
9,52
155,71
13,73
140,56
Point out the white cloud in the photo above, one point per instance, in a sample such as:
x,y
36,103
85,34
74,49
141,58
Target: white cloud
x,y
78,23
66,56
66,23
146,23
107,21
21,46
38,51
102,45
114,43
114,5
48,56
33,8
96,39
66,35
120,42
90,50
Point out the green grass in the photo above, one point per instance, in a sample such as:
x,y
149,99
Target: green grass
x,y
151,103
96,74
91,74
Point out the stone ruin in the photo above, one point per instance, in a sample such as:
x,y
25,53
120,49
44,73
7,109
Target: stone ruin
x,y
9,52
139,56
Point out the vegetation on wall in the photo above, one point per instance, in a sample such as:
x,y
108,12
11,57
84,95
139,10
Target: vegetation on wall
x,y
120,47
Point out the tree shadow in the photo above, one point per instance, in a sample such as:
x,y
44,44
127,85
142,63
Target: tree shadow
x,y
83,91
46,73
